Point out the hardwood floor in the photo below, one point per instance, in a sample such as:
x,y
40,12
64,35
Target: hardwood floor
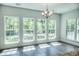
x,y
48,49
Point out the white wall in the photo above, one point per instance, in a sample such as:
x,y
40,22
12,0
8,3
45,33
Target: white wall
x,y
74,14
19,12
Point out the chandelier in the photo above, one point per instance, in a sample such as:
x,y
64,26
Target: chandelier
x,y
46,13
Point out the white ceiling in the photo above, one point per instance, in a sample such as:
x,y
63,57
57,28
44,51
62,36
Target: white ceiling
x,y
57,7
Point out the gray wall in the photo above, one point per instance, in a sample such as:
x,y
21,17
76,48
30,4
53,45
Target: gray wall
x,y
19,12
74,14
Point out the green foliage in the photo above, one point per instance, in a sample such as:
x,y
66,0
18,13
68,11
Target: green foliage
x,y
41,26
11,24
51,24
70,25
28,24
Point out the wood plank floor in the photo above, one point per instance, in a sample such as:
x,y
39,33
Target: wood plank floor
x,y
48,49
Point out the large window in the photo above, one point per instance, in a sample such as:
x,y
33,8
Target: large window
x,y
70,29
41,33
51,29
32,30
28,29
11,29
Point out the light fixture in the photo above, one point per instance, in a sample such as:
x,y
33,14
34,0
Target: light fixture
x,y
47,13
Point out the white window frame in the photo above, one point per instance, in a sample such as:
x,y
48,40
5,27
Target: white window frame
x,y
5,31
55,29
24,41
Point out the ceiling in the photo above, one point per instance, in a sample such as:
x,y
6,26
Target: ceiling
x,y
57,7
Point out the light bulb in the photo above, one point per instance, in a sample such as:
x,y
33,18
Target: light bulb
x,y
45,12
50,13
42,13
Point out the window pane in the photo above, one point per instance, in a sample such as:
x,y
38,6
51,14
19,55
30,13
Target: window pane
x,y
51,29
28,29
11,29
41,29
70,28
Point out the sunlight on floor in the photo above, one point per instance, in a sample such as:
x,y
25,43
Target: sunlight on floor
x,y
9,51
28,48
44,45
55,43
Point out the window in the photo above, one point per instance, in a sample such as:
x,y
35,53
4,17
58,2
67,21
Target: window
x,y
51,29
41,33
70,29
11,29
28,29
33,30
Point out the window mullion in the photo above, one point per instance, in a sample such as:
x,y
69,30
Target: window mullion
x,y
47,29
35,30
76,31
21,30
